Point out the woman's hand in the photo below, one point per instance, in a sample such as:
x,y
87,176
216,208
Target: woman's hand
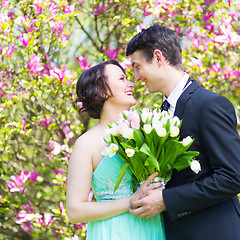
x,y
143,190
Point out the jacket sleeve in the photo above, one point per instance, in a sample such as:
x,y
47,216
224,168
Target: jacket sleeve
x,y
221,144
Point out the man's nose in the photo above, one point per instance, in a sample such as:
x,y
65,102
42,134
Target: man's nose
x,y
137,76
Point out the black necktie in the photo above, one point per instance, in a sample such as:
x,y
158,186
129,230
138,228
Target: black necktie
x,y
165,106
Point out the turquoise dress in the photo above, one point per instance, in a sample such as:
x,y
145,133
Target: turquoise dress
x,y
125,226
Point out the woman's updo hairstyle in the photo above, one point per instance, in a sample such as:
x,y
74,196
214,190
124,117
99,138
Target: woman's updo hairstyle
x,y
93,90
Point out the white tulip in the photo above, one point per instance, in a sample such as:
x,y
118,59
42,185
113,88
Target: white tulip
x,y
175,121
107,134
161,131
130,152
147,128
195,166
186,141
174,131
110,151
128,133
146,114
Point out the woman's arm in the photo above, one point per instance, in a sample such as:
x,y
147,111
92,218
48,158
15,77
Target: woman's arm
x,y
80,171
78,187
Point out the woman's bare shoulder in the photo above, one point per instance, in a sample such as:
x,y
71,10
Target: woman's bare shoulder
x,y
88,139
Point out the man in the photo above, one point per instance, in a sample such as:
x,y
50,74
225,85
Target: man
x,y
201,206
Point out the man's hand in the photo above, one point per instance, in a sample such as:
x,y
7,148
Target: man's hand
x,y
150,200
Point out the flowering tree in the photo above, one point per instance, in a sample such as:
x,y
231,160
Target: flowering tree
x,y
45,45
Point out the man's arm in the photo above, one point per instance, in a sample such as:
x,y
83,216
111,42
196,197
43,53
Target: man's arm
x,y
221,145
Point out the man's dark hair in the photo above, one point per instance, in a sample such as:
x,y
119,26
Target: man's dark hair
x,y
93,90
157,37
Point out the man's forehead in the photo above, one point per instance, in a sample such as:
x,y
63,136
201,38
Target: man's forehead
x,y
136,57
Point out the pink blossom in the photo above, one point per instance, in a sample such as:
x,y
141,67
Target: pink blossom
x,y
5,3
34,64
55,147
24,39
57,26
31,29
10,51
83,62
209,27
69,9
207,16
38,8
79,225
68,132
23,124
46,121
79,105
53,9
197,62
27,227
229,36
17,183
33,176
112,54
10,15
56,234
196,43
61,73
98,10
90,196
1,198
24,216
29,208
209,1
48,220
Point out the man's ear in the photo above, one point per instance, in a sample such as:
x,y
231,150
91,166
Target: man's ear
x,y
158,57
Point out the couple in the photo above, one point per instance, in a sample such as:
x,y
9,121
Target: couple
x,y
193,207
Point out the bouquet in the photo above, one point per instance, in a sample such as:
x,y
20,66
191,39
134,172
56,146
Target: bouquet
x,y
148,141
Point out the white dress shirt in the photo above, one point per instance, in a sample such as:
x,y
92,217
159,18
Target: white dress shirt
x,y
176,93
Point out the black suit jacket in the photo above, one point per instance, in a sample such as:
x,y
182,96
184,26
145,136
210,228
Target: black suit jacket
x,y
205,206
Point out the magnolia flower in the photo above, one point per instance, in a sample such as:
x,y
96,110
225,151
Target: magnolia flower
x,y
147,128
161,131
195,166
130,152
174,131
186,141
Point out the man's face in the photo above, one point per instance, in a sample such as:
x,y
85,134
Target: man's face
x,y
145,71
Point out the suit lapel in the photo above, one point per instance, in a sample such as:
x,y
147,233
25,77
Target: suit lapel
x,y
185,96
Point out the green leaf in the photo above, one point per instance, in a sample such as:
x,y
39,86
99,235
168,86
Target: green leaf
x,y
145,149
138,137
121,175
152,161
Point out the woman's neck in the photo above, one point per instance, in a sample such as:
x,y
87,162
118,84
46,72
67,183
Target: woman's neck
x,y
110,114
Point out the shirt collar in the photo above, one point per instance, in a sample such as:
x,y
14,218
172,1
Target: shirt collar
x,y
177,91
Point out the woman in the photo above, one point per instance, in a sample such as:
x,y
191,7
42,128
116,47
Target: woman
x,y
105,92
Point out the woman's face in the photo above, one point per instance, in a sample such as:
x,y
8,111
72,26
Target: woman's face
x,y
121,88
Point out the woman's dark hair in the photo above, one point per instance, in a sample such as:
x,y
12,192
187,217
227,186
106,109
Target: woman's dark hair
x,y
93,90
157,37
